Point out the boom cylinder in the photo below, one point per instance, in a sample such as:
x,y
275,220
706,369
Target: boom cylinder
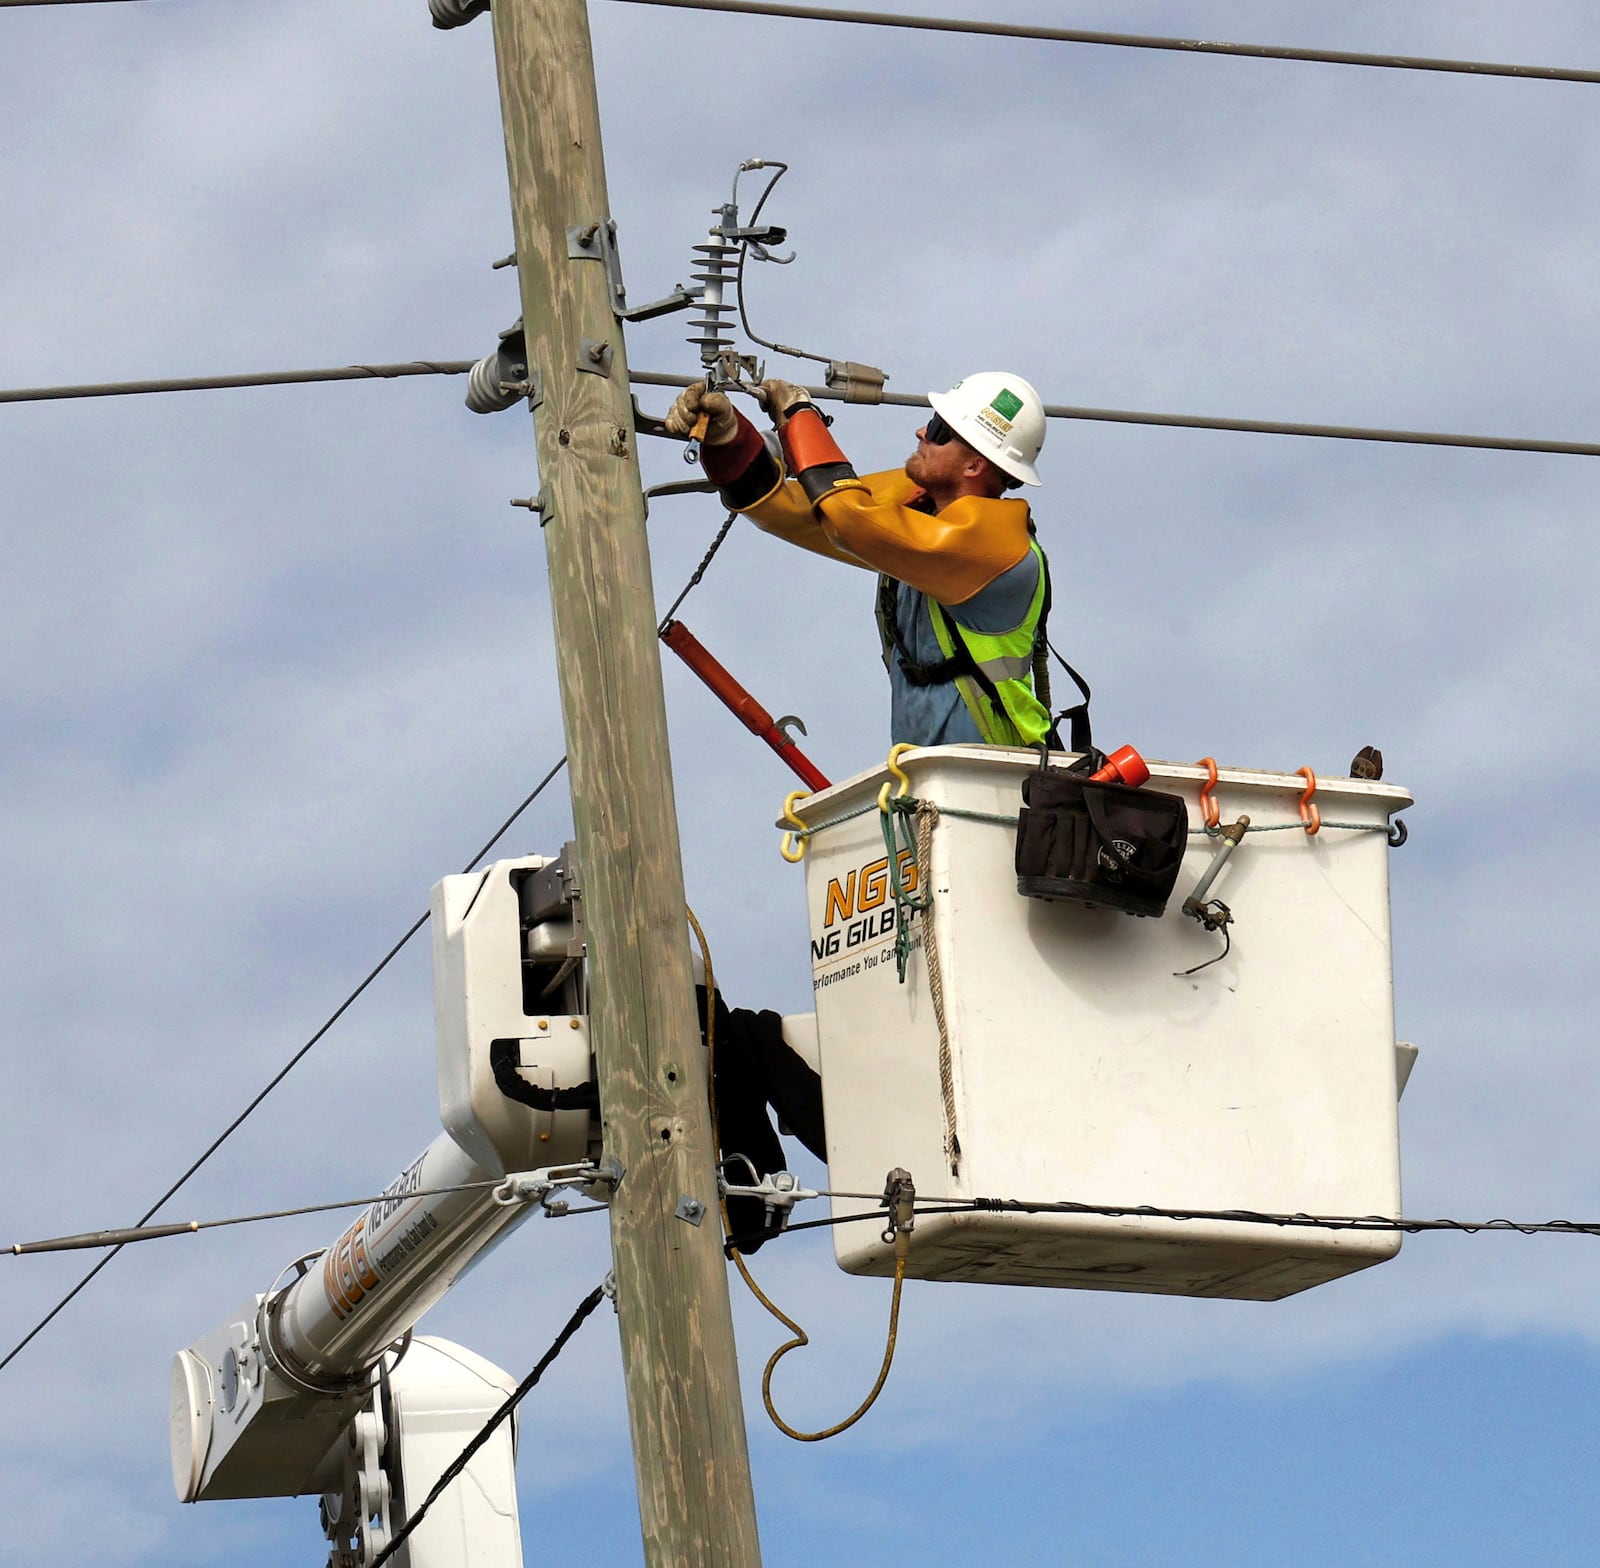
x,y
400,1256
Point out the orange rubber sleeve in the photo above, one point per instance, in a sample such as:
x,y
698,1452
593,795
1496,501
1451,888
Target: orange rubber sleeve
x,y
808,443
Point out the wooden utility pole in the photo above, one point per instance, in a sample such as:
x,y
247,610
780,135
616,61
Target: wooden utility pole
x,y
696,1504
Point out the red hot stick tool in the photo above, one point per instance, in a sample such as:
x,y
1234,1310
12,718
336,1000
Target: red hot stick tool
x,y
743,706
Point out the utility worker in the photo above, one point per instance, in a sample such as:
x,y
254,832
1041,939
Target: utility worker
x,y
963,586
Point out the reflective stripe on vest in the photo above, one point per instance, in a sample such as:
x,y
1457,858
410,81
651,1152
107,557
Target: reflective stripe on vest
x,y
1002,702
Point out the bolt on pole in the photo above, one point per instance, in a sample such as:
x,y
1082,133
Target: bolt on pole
x,y
696,1502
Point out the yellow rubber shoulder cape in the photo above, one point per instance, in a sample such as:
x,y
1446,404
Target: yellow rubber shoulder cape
x,y
949,556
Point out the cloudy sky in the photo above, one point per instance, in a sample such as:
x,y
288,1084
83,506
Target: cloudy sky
x,y
276,660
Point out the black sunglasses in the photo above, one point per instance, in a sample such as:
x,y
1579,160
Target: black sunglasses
x,y
936,432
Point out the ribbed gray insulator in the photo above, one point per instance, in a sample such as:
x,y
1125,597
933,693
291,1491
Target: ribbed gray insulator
x,y
487,388
717,266
456,13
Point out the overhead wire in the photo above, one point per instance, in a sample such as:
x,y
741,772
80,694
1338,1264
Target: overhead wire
x,y
133,1233
1128,416
262,378
512,1400
1118,416
924,1208
929,1207
1073,35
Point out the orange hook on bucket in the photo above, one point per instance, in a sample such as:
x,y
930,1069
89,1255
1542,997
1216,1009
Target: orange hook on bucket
x,y
1310,813
1210,815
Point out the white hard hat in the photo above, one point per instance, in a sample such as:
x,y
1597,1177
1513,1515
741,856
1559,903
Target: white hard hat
x,y
999,416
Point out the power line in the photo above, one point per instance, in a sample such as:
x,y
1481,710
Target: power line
x,y
128,1235
264,378
926,1208
132,1233
1066,35
1270,427
1334,1222
1116,416
464,1458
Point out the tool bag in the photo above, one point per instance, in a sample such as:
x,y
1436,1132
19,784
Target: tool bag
x,y
1105,844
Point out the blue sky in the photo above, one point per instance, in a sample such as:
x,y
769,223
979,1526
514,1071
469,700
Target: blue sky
x,y
276,660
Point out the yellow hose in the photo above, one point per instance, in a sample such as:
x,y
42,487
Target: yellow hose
x,y
902,1242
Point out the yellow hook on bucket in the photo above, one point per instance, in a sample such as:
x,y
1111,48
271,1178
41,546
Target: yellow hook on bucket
x,y
893,764
793,848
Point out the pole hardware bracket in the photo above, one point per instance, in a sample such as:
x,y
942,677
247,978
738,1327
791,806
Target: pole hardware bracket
x,y
678,487
680,298
595,356
650,424
690,1209
598,242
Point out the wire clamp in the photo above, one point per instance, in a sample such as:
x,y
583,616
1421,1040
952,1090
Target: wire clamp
x,y
860,383
899,1198
778,1192
525,1186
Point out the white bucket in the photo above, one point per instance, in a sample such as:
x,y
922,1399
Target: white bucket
x,y
1082,1066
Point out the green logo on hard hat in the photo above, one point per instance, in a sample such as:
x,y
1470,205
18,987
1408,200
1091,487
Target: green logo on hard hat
x,y
1008,405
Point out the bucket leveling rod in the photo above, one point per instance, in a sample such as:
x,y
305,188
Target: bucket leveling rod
x,y
741,704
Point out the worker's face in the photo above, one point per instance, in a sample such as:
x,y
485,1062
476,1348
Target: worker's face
x,y
936,466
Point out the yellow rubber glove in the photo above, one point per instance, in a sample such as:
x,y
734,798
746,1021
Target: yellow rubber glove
x,y
695,402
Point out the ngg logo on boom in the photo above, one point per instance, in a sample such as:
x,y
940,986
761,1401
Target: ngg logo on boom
x,y
859,909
